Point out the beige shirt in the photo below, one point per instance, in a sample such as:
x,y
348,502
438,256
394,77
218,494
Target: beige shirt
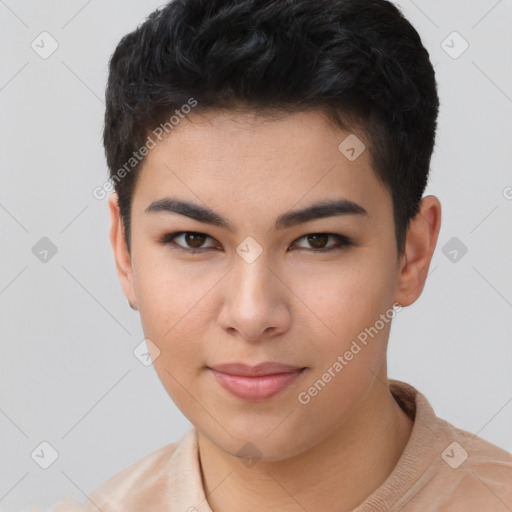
x,y
442,468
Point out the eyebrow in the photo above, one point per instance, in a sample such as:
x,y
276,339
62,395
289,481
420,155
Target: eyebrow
x,y
320,210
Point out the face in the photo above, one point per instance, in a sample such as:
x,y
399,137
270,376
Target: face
x,y
253,283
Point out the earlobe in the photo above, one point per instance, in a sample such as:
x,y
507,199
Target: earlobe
x,y
419,248
121,253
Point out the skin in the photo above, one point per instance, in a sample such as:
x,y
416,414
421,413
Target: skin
x,y
293,304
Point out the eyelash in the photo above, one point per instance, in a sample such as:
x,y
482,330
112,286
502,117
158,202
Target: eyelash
x,y
342,242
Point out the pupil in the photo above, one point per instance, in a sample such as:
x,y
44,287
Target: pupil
x,y
196,236
315,239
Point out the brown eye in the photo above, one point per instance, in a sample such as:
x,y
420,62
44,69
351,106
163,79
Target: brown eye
x,y
191,241
318,242
195,240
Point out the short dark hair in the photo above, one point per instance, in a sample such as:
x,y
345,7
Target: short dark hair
x,y
359,62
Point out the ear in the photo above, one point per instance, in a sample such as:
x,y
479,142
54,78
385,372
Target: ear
x,y
419,248
121,253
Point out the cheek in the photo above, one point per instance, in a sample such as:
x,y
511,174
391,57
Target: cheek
x,y
172,317
171,306
343,300
170,293
347,359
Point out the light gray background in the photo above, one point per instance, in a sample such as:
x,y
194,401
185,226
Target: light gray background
x,y
68,374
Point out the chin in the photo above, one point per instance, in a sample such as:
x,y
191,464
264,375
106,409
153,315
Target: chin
x,y
256,445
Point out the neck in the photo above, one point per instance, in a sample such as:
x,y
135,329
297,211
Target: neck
x,y
337,474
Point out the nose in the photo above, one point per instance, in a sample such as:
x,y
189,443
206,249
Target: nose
x,y
255,302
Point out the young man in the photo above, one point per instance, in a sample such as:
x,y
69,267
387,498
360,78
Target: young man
x,y
269,160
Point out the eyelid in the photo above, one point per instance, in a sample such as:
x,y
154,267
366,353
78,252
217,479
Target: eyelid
x,y
343,241
169,239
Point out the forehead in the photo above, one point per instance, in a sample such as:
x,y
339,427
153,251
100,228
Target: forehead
x,y
228,160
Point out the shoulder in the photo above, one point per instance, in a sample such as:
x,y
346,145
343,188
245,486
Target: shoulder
x,y
484,476
145,477
445,467
470,475
142,481
64,505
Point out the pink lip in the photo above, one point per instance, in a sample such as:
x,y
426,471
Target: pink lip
x,y
258,382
